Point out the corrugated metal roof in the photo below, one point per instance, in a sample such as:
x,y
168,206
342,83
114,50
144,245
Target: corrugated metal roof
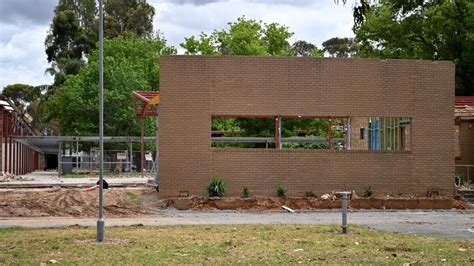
x,y
464,107
141,102
462,101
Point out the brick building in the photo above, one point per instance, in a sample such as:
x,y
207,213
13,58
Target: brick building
x,y
396,112
464,137
15,158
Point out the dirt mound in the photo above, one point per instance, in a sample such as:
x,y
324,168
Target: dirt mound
x,y
70,202
201,203
257,203
129,202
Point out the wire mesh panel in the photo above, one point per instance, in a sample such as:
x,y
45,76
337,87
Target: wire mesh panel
x,y
116,163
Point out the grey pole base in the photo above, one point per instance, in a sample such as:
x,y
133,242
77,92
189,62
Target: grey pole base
x,y
344,198
100,230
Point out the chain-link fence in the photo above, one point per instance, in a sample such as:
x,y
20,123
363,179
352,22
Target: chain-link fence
x,y
116,162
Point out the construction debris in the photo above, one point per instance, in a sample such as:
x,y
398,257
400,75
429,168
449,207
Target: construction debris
x,y
288,209
7,177
328,197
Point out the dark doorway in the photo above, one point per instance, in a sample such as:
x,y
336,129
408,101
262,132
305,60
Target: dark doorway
x,y
51,161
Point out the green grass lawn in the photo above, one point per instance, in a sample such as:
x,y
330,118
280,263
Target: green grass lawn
x,y
228,244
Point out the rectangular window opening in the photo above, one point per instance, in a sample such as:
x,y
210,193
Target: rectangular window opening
x,y
381,133
279,132
248,132
314,133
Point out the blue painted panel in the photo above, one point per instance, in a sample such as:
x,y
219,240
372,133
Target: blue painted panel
x,y
374,142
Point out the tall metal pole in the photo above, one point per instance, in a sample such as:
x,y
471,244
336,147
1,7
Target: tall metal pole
x,y
101,220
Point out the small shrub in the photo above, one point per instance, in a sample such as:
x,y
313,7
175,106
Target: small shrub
x,y
310,194
368,192
281,191
466,182
245,192
216,187
458,178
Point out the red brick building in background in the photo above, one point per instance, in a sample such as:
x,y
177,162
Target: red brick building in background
x,y
394,100
464,136
15,158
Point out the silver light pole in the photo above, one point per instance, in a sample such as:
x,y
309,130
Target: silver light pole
x,y
101,220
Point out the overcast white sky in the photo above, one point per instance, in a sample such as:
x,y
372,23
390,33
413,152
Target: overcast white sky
x,y
24,25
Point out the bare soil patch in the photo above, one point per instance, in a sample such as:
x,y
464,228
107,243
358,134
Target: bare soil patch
x,y
262,203
69,202
129,202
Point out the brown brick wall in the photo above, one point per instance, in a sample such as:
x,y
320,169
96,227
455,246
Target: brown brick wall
x,y
195,87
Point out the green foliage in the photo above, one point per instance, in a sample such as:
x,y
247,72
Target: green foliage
x,y
461,180
128,18
310,194
130,64
21,94
225,124
431,30
31,99
74,30
244,37
360,9
245,192
248,37
308,146
265,127
340,47
205,45
303,48
368,192
216,187
281,191
466,182
458,178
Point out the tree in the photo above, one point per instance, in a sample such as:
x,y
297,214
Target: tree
x,y
250,37
360,10
130,64
244,37
65,40
340,47
74,30
303,48
431,30
31,99
22,94
128,18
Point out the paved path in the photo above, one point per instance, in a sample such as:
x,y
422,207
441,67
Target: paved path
x,y
452,224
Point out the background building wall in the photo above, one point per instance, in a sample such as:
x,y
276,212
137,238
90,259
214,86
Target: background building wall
x,y
356,142
466,148
466,143
193,88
